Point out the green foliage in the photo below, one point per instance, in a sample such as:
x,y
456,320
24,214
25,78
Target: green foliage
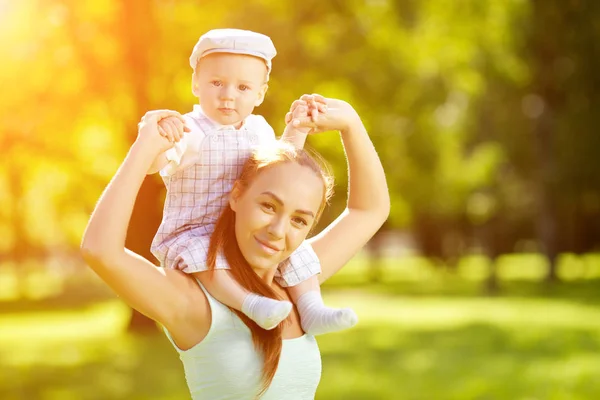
x,y
451,92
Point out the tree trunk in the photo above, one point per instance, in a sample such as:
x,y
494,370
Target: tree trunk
x,y
493,238
375,250
21,242
545,103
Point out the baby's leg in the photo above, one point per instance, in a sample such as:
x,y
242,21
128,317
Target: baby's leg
x,y
299,275
316,317
266,312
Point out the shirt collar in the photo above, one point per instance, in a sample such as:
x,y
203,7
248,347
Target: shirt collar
x,y
198,111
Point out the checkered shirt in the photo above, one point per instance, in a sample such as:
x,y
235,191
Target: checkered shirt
x,y
199,177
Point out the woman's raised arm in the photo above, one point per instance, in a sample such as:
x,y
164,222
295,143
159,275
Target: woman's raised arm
x,y
153,291
368,203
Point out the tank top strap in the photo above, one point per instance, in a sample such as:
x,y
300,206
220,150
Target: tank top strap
x,y
222,319
214,303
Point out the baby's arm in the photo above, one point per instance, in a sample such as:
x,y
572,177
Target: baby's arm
x,y
316,318
173,129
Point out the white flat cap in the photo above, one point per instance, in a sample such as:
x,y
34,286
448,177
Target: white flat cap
x,y
236,41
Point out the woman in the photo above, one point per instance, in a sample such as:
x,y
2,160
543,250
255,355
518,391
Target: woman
x,y
273,206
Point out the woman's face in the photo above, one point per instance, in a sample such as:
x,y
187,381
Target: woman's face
x,y
275,213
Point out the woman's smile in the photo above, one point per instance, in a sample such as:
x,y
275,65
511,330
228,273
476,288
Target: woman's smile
x,y
267,247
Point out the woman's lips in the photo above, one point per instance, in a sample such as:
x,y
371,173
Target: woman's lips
x,y
268,248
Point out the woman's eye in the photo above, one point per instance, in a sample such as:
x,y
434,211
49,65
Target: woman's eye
x,y
300,221
243,88
216,83
268,206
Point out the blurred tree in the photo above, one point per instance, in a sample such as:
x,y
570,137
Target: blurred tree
x,y
557,105
483,117
135,24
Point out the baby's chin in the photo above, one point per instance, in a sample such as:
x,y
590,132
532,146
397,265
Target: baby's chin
x,y
233,119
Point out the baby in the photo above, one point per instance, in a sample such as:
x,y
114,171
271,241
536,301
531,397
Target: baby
x,y
231,70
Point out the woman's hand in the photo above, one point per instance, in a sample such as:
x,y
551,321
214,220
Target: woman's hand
x,y
149,130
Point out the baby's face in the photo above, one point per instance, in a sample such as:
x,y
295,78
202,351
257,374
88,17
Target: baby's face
x,y
229,86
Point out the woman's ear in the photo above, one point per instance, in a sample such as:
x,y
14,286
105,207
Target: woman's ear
x,y
234,196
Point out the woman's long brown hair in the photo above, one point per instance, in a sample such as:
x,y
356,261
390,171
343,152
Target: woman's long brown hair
x,y
267,342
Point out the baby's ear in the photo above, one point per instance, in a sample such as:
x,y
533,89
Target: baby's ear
x,y
261,95
195,85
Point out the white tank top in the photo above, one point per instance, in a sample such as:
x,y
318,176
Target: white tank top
x,y
225,365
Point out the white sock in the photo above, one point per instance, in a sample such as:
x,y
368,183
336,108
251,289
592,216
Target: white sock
x,y
316,318
266,312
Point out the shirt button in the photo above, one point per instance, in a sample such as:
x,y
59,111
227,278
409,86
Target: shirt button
x,y
215,138
253,138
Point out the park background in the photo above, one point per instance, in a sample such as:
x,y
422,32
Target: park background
x,y
483,284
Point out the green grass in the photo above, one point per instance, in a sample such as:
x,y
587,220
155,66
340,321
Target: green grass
x,y
424,347
424,333
465,348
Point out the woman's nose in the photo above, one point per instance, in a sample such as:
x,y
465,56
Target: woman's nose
x,y
276,228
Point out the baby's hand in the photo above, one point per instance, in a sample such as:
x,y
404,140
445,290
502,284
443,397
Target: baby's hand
x,y
308,106
148,131
339,116
172,128
316,104
299,111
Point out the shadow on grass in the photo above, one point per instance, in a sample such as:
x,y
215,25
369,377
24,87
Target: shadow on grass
x,y
584,291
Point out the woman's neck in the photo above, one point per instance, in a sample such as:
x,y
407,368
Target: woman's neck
x,y
266,274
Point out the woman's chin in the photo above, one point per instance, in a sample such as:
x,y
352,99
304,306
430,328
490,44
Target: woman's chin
x,y
262,264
